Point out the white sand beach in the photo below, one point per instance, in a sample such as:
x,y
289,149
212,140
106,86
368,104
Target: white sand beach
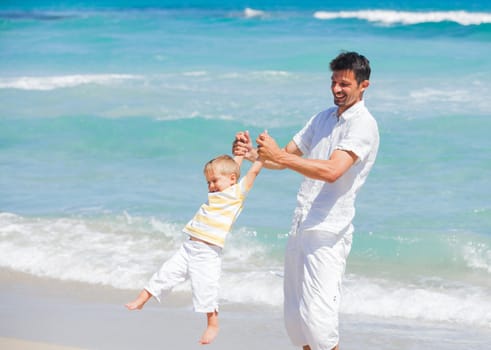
x,y
19,344
52,315
46,314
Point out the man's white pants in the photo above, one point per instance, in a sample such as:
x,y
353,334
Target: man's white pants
x,y
198,261
314,267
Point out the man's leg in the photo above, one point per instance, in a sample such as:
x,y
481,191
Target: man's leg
x,y
325,258
292,290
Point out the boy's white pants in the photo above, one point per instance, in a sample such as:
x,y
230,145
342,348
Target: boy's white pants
x,y
314,267
199,262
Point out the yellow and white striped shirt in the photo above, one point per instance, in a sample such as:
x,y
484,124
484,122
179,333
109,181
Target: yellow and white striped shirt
x,y
214,219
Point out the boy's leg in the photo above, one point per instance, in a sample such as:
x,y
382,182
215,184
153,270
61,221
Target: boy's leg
x,y
205,262
204,272
140,300
306,347
172,272
212,328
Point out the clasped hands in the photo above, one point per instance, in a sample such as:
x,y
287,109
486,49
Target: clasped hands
x,y
267,148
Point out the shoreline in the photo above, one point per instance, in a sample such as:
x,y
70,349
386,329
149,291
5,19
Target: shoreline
x,y
56,315
47,314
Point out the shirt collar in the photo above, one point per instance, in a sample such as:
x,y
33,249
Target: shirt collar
x,y
352,111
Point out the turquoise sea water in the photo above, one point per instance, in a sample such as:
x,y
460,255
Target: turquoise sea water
x,y
108,111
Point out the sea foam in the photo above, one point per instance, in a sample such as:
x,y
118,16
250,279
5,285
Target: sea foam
x,y
62,81
253,13
477,256
405,17
123,251
429,301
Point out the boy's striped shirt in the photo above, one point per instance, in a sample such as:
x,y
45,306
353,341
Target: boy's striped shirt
x,y
214,219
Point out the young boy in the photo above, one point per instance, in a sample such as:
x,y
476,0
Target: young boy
x,y
199,257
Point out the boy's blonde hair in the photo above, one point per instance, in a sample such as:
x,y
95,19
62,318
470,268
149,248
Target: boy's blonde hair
x,y
224,165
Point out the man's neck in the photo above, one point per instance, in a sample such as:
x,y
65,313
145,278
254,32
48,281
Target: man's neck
x,y
343,109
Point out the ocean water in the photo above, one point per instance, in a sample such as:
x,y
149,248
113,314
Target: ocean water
x,y
109,110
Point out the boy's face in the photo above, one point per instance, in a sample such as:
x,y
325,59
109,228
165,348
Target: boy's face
x,y
218,182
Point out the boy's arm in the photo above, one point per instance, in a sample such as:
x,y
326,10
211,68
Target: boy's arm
x,y
252,173
238,159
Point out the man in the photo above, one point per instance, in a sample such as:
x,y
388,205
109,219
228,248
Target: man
x,y
335,152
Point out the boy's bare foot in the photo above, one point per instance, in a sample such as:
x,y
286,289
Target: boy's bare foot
x,y
134,305
212,328
140,300
209,335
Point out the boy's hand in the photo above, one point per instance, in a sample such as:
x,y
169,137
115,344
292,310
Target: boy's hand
x,y
242,145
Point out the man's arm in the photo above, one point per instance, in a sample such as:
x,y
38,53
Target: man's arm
x,y
290,157
291,148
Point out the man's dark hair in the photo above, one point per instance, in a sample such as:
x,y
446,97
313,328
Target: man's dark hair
x,y
359,64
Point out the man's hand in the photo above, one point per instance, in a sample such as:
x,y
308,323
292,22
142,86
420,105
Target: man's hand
x,y
267,148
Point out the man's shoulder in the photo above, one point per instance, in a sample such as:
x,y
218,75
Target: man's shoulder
x,y
331,111
325,114
359,112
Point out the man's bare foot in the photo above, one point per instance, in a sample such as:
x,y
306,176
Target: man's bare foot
x,y
140,300
209,335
